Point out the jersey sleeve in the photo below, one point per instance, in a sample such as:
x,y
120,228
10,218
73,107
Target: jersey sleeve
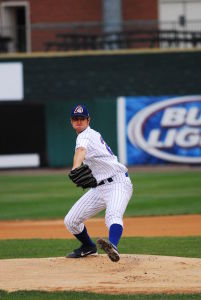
x,y
82,140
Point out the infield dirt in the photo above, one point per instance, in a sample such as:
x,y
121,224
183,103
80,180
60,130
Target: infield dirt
x,y
188,225
132,274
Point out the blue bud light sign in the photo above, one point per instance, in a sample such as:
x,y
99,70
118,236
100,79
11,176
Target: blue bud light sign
x,y
155,130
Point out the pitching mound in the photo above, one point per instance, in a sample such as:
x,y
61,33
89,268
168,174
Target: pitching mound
x,y
132,274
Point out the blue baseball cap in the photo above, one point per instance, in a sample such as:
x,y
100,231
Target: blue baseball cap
x,y
79,111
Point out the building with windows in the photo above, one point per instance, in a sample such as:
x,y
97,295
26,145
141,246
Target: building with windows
x,y
35,25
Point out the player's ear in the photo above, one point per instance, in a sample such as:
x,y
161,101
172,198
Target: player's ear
x,y
89,119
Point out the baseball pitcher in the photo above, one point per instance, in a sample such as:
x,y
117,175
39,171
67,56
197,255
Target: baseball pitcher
x,y
97,168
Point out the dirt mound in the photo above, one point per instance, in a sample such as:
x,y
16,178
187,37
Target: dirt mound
x,y
132,274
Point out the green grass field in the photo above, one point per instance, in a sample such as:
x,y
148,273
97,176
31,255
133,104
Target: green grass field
x,y
170,246
51,196
87,296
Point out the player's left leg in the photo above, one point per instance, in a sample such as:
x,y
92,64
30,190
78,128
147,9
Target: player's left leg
x,y
117,196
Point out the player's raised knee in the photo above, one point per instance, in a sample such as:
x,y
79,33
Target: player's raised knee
x,y
68,221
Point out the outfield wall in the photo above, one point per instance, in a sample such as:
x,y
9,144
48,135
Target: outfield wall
x,y
56,82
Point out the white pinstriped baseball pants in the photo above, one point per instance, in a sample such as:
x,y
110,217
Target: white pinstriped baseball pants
x,y
113,196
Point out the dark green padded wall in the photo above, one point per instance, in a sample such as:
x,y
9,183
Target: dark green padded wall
x,y
87,77
68,78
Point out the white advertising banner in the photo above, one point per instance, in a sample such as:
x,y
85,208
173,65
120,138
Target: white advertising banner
x,y
11,81
20,160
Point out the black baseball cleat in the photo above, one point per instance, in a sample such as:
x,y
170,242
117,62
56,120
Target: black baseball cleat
x,y
83,251
109,249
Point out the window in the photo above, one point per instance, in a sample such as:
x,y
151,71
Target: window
x,y
16,25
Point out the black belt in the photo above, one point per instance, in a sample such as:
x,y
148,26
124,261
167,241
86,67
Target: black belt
x,y
109,180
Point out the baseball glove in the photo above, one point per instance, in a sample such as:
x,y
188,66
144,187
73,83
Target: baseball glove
x,y
83,177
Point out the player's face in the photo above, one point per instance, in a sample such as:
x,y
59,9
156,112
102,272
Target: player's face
x,y
80,123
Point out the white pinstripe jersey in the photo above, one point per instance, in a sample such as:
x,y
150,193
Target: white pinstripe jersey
x,y
99,157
